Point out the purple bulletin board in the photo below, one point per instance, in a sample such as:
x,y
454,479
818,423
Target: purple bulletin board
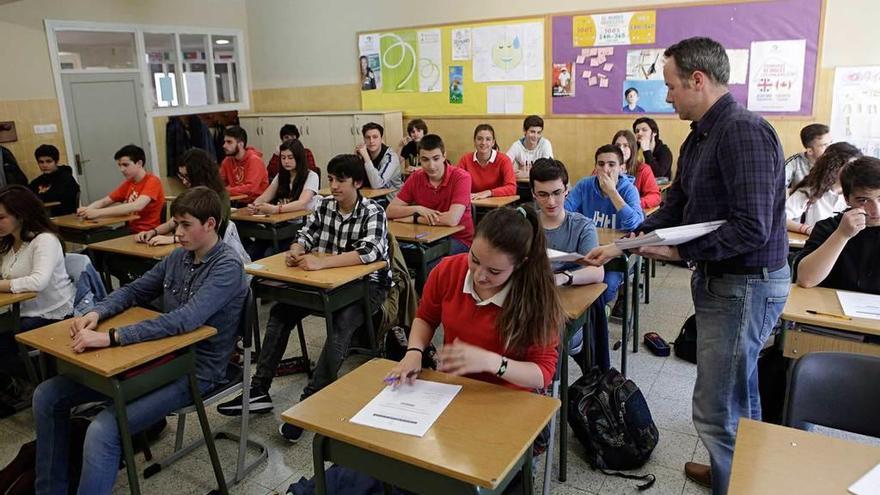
x,y
734,25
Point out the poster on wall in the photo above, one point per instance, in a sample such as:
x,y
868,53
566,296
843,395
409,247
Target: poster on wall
x,y
368,62
641,96
508,52
461,44
645,64
563,82
456,84
776,75
855,108
622,28
430,61
397,51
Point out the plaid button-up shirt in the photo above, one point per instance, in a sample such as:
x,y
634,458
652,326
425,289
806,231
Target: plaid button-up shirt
x,y
364,231
730,168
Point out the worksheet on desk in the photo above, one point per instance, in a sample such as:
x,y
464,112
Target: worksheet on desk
x,y
859,304
408,409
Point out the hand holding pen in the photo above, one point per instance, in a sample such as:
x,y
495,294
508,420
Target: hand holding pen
x,y
406,371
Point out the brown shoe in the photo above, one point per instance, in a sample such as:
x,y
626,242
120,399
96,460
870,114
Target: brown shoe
x,y
698,473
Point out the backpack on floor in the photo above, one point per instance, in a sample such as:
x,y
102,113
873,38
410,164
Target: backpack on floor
x,y
685,344
611,419
395,344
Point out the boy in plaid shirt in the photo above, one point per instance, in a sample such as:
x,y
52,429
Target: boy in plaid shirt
x,y
349,230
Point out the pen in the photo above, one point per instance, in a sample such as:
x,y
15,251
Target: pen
x,y
833,315
423,234
391,379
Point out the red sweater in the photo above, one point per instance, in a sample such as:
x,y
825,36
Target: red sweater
x,y
247,176
443,301
646,183
497,175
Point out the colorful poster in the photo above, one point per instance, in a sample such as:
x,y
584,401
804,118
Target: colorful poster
x,y
622,28
399,58
739,66
430,61
369,66
776,75
461,44
645,64
641,96
456,84
563,81
509,52
855,108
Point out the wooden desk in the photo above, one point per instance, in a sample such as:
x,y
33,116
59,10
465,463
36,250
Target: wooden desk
x,y
475,446
81,231
321,291
799,342
777,459
101,369
651,211
576,302
275,227
491,202
126,258
522,180
426,244
664,187
365,192
234,197
796,240
608,236
51,204
11,322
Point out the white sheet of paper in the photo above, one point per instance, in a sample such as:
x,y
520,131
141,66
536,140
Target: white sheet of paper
x,y
739,65
555,255
408,409
672,236
504,99
859,305
195,89
868,484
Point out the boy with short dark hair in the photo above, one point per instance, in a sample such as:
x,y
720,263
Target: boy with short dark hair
x,y
529,148
56,182
437,194
141,192
380,163
200,283
815,138
408,148
843,251
345,229
287,132
242,170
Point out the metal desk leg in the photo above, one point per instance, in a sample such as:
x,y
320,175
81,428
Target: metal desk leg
x,y
274,239
22,349
527,481
318,455
328,322
563,411
421,269
635,302
206,433
647,267
368,317
125,436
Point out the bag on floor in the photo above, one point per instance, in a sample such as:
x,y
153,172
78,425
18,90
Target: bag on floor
x,y
611,419
685,345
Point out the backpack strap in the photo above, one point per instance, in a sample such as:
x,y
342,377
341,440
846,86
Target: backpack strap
x,y
649,478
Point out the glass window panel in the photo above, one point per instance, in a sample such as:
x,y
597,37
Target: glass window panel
x,y
193,54
96,50
161,59
225,68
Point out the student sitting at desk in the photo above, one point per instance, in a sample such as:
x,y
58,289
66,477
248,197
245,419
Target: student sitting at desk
x,y
33,261
655,151
348,230
498,305
525,151
843,252
56,182
242,170
408,147
569,232
141,192
815,138
437,194
817,196
645,182
491,170
200,284
380,162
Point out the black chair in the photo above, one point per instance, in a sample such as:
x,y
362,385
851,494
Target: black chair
x,y
836,390
238,381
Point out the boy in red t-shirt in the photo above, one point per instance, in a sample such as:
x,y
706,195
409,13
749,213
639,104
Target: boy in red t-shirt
x,y
242,171
141,192
436,194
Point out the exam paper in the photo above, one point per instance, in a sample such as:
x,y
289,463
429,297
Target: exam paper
x,y
859,305
868,484
672,236
555,255
408,409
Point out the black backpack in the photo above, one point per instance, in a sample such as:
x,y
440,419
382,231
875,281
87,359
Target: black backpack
x,y
611,419
685,344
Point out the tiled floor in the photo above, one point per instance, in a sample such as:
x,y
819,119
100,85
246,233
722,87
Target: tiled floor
x,y
666,382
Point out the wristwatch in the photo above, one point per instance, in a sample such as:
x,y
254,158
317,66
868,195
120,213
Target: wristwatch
x,y
569,278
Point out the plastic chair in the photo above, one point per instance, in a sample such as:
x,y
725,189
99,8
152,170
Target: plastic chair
x,y
836,390
237,384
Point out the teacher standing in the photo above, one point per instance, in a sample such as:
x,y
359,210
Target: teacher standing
x,y
730,168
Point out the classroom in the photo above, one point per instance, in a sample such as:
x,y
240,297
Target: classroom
x,y
274,246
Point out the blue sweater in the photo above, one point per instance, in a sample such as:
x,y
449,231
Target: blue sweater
x,y
587,199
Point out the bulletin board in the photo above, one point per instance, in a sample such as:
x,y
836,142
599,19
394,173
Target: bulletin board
x,y
479,68
773,46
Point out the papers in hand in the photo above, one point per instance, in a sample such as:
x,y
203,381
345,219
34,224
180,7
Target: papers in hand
x,y
859,305
555,255
672,236
409,409
867,484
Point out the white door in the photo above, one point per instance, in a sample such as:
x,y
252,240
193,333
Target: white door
x,y
105,112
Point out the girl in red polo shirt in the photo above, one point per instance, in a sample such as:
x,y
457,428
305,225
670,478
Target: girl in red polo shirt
x,y
491,170
498,305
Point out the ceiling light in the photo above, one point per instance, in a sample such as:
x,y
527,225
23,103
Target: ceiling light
x,y
221,42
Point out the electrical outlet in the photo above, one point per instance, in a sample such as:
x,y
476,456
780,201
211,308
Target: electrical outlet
x,y
45,129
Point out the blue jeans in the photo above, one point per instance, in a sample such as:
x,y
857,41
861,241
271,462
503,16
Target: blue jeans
x,y
735,315
102,449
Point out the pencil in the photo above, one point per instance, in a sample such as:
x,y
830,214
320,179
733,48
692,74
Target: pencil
x,y
832,315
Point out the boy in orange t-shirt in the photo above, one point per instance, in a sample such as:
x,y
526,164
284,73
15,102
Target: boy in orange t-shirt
x,y
141,192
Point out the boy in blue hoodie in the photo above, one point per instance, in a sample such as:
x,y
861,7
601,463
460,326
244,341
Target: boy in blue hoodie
x,y
610,199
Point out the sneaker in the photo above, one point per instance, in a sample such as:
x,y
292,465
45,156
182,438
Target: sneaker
x,y
260,403
291,432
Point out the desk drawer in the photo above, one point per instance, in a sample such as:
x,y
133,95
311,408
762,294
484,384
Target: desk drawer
x,y
798,343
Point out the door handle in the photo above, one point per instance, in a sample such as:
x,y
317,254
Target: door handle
x,y
79,162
